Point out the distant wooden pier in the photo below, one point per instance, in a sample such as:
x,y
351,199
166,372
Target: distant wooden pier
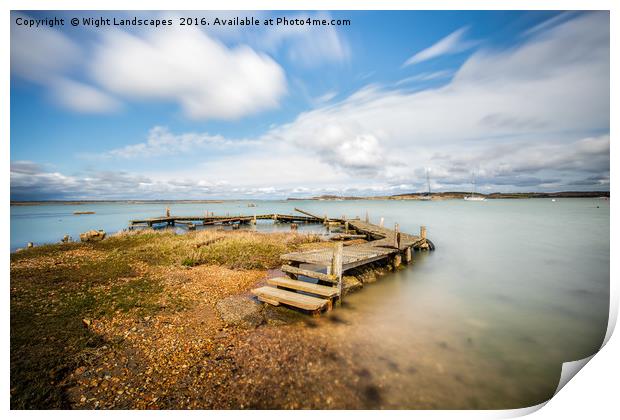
x,y
193,221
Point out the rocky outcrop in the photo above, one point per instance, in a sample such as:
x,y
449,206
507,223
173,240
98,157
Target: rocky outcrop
x,y
92,236
351,284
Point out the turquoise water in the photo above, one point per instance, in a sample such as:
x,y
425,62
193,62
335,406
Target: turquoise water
x,y
514,288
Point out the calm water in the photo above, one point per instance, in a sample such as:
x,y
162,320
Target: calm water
x,y
514,288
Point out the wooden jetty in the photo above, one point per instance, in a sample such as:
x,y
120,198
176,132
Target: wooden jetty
x,y
311,289
320,294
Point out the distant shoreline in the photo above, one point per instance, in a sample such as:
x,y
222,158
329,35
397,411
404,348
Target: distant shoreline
x,y
450,195
459,195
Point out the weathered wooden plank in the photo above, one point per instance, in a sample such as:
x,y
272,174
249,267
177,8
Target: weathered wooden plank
x,y
308,273
308,303
352,254
269,301
342,236
304,286
359,263
308,214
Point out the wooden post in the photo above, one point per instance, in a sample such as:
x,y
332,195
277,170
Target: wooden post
x,y
337,268
367,218
346,227
167,212
296,265
408,255
254,220
381,222
396,236
325,220
397,260
423,232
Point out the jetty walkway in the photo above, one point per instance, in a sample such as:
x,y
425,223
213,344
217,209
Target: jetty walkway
x,y
317,287
314,290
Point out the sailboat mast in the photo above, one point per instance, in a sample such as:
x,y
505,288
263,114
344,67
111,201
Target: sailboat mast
x,y
428,182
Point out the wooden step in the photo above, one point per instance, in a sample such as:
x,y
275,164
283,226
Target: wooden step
x,y
309,273
304,286
308,303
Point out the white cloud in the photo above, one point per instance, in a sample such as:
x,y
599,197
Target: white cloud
x,y
80,97
208,79
309,46
186,66
451,44
500,111
324,98
44,56
41,54
535,116
425,77
161,142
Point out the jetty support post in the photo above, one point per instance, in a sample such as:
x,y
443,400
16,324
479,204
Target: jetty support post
x,y
167,212
423,232
397,242
336,268
396,236
408,255
295,264
397,260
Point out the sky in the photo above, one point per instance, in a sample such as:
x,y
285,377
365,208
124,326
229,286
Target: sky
x,y
517,100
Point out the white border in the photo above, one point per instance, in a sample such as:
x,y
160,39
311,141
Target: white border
x,y
593,394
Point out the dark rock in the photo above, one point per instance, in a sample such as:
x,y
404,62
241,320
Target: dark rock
x,y
279,315
350,284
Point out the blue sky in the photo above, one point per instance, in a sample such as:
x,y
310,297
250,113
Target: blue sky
x,y
519,98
